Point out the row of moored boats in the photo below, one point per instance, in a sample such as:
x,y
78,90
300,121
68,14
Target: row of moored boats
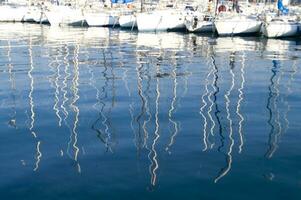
x,y
227,18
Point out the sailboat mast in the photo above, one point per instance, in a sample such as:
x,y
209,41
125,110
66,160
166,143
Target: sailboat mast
x,y
216,6
141,5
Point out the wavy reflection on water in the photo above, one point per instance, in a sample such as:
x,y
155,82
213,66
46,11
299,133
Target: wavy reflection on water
x,y
217,112
38,155
224,171
155,165
172,110
205,135
274,104
149,96
55,64
67,75
238,107
288,94
271,106
140,141
12,122
100,124
147,109
73,140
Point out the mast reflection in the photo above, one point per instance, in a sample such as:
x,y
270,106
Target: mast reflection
x,y
217,111
38,155
273,111
140,139
147,107
54,82
289,92
240,99
67,75
100,125
154,166
224,171
202,111
75,97
172,110
12,122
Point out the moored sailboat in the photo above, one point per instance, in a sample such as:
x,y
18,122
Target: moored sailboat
x,y
163,18
65,14
11,12
100,14
35,12
128,17
281,24
231,20
128,20
201,19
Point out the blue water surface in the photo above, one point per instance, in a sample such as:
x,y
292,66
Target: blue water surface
x,y
98,113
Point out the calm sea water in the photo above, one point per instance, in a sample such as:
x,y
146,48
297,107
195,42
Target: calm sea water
x,y
97,113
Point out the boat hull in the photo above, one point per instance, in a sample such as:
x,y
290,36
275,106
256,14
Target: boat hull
x,y
199,26
128,21
12,13
160,21
237,27
100,19
35,14
64,15
280,29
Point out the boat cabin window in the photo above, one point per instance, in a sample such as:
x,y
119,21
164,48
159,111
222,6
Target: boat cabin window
x,y
190,8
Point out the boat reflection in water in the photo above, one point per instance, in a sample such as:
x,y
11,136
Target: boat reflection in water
x,y
144,112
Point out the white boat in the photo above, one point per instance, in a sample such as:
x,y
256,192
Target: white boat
x,y
35,13
237,19
12,13
100,19
59,15
32,13
98,14
281,26
199,23
161,20
128,20
128,15
199,18
229,24
165,16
